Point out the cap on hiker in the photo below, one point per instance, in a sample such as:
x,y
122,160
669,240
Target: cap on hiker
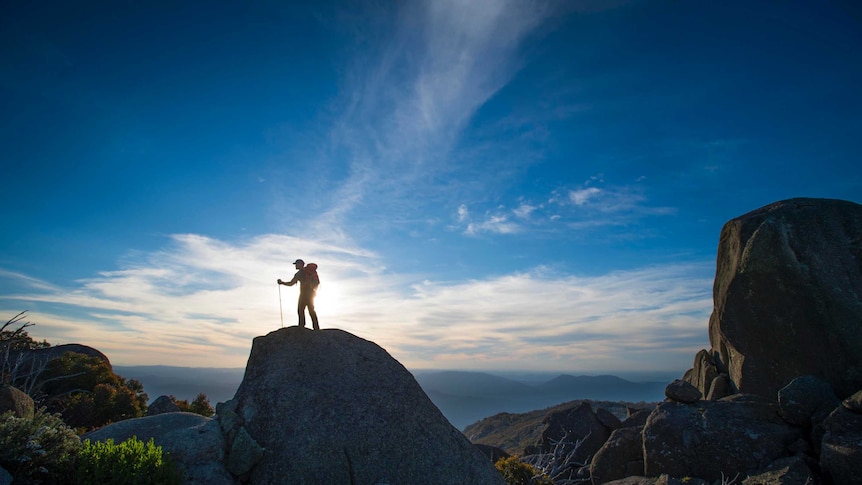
x,y
299,261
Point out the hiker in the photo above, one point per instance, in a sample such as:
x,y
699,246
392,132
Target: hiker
x,y
307,287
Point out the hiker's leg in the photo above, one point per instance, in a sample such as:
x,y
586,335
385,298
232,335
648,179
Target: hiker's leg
x,y
300,310
312,313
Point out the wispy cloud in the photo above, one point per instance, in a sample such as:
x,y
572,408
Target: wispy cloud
x,y
497,224
581,196
586,207
200,302
410,95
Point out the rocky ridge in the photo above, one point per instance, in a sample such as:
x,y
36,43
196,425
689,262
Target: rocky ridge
x,y
778,397
317,407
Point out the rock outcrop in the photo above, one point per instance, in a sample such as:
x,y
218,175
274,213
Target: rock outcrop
x,y
329,407
34,358
841,448
162,405
12,399
621,456
739,434
788,299
764,404
195,442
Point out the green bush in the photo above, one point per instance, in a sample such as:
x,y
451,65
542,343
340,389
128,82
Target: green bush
x,y
201,405
37,450
85,390
516,472
132,461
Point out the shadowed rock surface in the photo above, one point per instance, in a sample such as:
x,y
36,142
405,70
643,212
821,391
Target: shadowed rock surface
x,y
329,407
38,357
193,441
738,434
162,405
12,399
788,295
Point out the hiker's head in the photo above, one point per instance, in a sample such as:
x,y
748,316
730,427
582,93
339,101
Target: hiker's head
x,y
299,263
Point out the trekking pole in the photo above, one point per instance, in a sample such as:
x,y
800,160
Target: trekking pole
x,y
280,311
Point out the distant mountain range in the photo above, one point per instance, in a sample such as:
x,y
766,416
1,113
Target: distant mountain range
x,y
467,397
463,397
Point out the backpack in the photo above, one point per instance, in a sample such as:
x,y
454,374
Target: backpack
x,y
311,273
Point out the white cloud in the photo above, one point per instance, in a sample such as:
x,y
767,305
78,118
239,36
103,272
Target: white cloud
x,y
201,301
495,224
582,196
463,213
524,210
411,94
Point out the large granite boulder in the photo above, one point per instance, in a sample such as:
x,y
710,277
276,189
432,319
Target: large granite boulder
x,y
621,456
34,358
841,448
17,401
806,402
738,434
329,407
788,295
577,430
195,442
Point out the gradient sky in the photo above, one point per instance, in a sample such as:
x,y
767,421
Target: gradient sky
x,y
489,185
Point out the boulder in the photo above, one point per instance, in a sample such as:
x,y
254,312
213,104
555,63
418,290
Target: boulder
x,y
739,434
788,295
719,388
244,454
784,471
576,430
162,405
853,403
195,442
621,456
682,391
841,447
608,419
702,373
34,358
636,417
806,402
17,401
5,477
329,407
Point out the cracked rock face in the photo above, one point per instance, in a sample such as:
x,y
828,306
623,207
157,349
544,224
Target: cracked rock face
x,y
788,295
739,434
329,407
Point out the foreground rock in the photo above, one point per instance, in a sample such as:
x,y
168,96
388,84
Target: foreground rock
x,y
711,439
193,441
12,399
329,407
787,299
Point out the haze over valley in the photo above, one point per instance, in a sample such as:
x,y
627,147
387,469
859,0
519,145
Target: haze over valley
x,y
464,397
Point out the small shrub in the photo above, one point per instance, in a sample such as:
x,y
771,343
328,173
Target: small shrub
x,y
132,461
516,472
201,405
37,450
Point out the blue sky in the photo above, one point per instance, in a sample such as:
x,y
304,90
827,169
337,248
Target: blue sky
x,y
493,185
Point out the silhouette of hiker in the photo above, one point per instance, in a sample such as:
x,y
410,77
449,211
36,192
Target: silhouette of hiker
x,y
307,289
